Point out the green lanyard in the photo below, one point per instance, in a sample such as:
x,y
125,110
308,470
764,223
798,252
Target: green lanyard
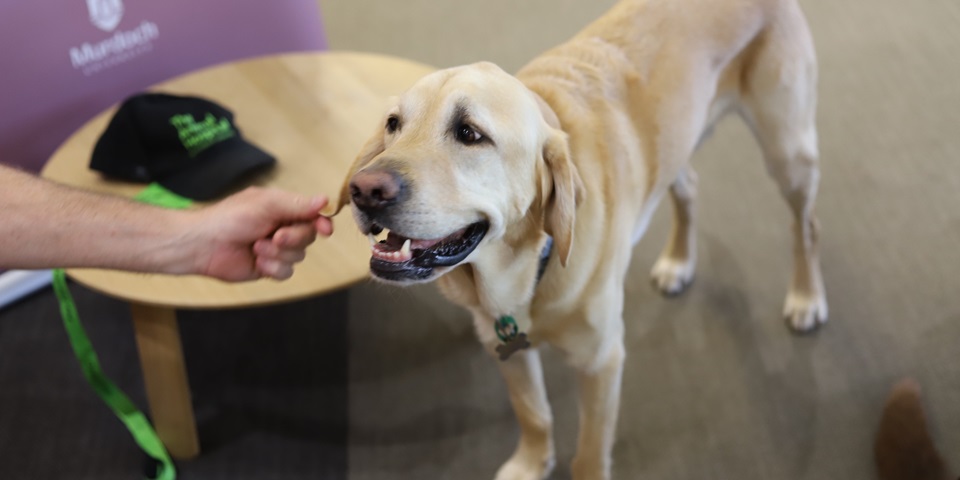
x,y
135,421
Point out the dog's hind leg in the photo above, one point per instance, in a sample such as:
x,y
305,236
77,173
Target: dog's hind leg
x,y
673,271
779,104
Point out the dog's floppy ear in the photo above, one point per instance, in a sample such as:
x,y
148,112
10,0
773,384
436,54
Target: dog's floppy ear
x,y
561,192
373,147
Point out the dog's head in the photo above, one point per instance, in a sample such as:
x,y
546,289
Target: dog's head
x,y
462,157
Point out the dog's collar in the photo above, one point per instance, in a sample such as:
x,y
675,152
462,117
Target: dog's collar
x,y
544,258
511,338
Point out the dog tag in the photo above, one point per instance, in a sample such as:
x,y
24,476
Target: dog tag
x,y
510,336
513,346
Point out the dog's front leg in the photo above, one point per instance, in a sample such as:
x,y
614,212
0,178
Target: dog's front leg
x,y
599,375
534,457
523,374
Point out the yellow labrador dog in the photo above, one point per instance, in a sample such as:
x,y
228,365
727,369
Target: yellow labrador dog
x,y
481,180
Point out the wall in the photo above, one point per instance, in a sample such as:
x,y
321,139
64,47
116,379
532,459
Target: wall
x,y
446,32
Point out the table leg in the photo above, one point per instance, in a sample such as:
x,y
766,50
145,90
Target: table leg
x,y
165,378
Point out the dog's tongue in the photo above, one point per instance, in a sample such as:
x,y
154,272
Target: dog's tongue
x,y
391,248
395,242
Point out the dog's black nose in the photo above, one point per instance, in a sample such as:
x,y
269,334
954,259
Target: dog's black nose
x,y
375,190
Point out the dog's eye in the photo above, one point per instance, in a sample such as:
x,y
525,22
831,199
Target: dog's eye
x,y
393,123
467,135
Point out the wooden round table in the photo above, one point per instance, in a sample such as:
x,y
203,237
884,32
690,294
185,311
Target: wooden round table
x,y
312,111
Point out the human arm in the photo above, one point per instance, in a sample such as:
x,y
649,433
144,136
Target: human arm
x,y
255,233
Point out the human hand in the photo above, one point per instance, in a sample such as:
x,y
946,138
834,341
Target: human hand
x,y
257,233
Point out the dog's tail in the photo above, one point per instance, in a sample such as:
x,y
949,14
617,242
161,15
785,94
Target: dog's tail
x,y
904,449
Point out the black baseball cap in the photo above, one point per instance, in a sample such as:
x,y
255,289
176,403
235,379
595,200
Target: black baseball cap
x,y
189,145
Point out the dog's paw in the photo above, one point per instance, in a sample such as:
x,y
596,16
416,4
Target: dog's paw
x,y
804,313
526,467
672,276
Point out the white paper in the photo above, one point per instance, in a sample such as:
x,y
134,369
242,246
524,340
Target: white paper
x,y
16,284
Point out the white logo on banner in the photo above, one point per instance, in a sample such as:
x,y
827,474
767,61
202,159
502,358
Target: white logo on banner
x,y
123,45
105,14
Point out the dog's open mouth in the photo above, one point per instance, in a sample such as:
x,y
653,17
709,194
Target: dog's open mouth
x,y
400,258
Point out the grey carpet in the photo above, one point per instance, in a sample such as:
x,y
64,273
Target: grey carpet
x,y
715,387
269,389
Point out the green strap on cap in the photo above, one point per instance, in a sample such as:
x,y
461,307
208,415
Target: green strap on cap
x,y
155,194
135,421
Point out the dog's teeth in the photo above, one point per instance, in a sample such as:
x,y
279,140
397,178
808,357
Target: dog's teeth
x,y
372,238
405,250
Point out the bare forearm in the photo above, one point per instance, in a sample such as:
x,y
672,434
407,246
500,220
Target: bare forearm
x,y
44,225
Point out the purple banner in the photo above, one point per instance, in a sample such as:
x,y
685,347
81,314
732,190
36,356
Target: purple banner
x,y
63,62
